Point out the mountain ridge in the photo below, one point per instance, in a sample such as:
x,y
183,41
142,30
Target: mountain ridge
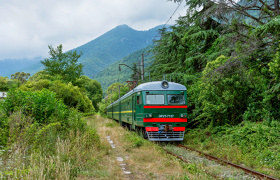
x,y
104,50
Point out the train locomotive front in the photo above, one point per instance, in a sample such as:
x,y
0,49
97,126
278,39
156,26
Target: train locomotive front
x,y
158,108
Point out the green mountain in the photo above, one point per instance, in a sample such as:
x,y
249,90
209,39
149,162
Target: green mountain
x,y
108,48
111,74
112,46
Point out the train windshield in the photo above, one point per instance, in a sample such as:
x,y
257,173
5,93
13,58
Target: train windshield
x,y
155,99
175,99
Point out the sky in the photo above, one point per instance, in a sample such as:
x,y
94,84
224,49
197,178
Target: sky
x,y
27,27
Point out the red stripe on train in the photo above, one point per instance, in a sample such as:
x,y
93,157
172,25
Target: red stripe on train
x,y
179,128
165,107
156,129
165,120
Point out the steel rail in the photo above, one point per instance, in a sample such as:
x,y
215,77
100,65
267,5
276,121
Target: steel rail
x,y
184,160
247,170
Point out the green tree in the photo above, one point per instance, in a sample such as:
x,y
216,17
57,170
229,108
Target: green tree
x,y
93,89
72,95
63,64
3,84
20,76
187,47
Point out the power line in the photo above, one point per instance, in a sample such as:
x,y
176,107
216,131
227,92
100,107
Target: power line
x,y
162,27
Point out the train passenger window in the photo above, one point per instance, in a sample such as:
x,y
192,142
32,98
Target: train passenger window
x,y
154,99
176,99
139,100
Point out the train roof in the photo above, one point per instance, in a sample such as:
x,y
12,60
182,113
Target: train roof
x,y
153,86
157,86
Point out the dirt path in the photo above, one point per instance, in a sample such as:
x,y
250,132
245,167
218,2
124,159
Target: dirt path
x,y
132,157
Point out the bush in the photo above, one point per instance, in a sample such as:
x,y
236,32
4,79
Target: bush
x,y
72,96
40,105
222,94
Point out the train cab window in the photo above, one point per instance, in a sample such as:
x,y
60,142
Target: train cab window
x,y
154,99
139,100
176,99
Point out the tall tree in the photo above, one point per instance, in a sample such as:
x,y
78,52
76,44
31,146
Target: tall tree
x,y
20,76
63,64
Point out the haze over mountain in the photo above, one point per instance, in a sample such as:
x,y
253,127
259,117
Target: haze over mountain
x,y
11,66
111,74
105,50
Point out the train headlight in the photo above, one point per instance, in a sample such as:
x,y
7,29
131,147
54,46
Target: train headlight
x,y
164,84
150,115
183,115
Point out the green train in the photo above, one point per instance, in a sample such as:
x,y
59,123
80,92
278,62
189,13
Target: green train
x,y
157,108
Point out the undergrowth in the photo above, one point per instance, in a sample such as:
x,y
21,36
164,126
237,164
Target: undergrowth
x,y
43,139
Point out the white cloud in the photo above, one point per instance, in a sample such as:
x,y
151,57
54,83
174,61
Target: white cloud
x,y
28,27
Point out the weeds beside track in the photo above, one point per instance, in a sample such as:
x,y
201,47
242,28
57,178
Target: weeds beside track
x,y
221,161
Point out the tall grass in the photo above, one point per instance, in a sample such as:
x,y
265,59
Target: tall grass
x,y
32,156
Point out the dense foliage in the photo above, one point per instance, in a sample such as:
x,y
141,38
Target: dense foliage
x,y
71,95
6,84
92,89
41,105
226,53
38,134
42,108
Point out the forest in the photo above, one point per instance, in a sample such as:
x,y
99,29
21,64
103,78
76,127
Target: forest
x,y
227,54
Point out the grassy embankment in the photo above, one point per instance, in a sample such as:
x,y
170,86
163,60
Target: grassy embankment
x,y
46,153
41,138
254,145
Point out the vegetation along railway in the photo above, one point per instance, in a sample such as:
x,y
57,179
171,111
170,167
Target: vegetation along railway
x,y
210,157
159,109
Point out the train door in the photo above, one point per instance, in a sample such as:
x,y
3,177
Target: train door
x,y
133,112
120,114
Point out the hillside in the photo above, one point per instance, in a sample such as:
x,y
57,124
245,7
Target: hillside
x,y
108,48
111,74
112,46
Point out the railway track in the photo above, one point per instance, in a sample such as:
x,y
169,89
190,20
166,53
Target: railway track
x,y
184,160
210,157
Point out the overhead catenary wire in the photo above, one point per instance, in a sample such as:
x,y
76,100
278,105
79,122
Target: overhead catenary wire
x,y
154,38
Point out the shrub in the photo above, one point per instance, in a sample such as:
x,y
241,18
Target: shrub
x,y
41,105
72,96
